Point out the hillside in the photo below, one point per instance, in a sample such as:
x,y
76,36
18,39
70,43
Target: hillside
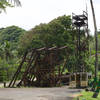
x,y
11,34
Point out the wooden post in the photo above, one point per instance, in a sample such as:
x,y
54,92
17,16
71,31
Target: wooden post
x,y
11,84
96,39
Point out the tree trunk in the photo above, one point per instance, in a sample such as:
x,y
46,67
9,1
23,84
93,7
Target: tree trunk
x,y
96,39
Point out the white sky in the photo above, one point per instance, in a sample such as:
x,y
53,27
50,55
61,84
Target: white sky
x,y
34,12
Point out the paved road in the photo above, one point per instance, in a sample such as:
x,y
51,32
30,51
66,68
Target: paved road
x,y
62,93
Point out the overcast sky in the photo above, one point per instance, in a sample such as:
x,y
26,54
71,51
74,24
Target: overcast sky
x,y
34,12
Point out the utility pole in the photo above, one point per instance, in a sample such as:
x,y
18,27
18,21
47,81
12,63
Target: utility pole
x,y
96,40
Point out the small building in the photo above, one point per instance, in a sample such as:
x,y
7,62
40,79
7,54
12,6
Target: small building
x,y
79,79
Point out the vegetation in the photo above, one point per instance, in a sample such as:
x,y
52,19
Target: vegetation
x,y
9,38
8,3
12,35
14,42
87,96
55,33
6,52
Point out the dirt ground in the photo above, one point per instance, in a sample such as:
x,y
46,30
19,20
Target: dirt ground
x,y
61,93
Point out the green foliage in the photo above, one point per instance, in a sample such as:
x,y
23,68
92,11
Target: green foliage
x,y
92,51
8,3
9,38
7,69
87,96
4,4
11,34
55,33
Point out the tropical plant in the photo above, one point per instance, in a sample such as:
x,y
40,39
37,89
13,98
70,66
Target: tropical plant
x,y
11,34
8,3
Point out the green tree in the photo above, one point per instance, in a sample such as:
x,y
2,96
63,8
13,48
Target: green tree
x,y
55,33
11,34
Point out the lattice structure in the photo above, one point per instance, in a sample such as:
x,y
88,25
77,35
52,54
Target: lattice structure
x,y
43,67
80,23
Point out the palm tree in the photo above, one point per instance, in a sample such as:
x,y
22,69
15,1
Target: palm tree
x,y
8,3
96,39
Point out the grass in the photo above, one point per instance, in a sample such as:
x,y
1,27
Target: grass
x,y
87,96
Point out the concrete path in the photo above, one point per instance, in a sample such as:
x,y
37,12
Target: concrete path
x,y
62,93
